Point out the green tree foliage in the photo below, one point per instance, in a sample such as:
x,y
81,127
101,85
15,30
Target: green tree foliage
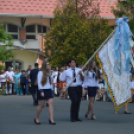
x,y
5,45
72,35
125,8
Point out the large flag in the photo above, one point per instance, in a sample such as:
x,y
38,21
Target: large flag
x,y
114,58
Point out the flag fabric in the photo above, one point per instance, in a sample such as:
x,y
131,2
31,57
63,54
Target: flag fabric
x,y
114,59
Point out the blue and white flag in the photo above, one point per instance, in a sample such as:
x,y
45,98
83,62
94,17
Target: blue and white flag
x,y
114,58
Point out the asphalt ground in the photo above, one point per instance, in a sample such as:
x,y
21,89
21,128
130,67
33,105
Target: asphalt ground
x,y
17,114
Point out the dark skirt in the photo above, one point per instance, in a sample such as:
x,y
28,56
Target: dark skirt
x,y
47,94
92,91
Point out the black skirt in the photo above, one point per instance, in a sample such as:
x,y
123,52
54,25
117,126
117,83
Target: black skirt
x,y
47,94
92,91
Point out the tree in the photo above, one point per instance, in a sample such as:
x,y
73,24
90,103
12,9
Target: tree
x,y
72,35
125,8
5,45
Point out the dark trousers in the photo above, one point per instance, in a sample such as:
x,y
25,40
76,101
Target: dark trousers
x,y
75,94
23,86
34,92
12,88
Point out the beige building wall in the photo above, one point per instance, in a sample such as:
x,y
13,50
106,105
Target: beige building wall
x,y
27,57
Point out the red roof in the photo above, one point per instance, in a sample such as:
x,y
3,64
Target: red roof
x,y
44,7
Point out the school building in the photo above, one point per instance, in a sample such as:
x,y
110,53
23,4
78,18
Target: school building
x,y
29,20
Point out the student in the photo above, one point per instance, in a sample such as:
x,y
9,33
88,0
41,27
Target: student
x,y
44,92
92,86
23,82
75,89
132,86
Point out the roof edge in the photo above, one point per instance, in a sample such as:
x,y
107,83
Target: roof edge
x,y
26,15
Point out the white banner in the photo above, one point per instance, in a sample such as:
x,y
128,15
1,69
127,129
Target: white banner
x,y
118,80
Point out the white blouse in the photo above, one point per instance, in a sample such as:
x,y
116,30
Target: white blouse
x,y
91,81
39,79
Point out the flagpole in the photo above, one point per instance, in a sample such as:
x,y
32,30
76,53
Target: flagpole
x,y
92,57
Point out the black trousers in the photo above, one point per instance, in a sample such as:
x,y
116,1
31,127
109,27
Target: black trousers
x,y
34,92
75,94
23,86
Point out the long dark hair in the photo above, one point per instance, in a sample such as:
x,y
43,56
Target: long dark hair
x,y
90,67
45,73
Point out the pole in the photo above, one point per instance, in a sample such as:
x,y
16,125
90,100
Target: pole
x,y
92,56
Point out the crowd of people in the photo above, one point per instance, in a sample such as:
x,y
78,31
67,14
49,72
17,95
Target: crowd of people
x,y
38,82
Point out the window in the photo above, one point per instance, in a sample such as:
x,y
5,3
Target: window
x,y
40,29
30,29
14,36
12,30
33,30
30,37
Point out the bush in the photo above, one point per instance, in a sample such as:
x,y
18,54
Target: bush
x,y
2,67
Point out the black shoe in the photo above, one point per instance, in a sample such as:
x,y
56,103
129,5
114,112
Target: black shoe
x,y
52,123
36,122
72,120
127,112
78,120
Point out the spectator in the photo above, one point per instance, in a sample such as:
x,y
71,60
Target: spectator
x,y
34,86
62,93
16,85
10,79
28,81
3,81
23,82
55,80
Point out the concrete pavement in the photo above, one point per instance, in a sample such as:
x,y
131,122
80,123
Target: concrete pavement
x,y
17,114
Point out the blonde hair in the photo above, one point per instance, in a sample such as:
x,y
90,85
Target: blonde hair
x,y
45,71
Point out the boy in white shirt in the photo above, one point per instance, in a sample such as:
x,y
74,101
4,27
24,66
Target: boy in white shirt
x,y
10,79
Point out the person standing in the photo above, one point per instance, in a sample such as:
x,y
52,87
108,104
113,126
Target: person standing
x,y
75,89
3,81
34,86
22,82
92,87
16,84
10,79
45,92
28,81
55,79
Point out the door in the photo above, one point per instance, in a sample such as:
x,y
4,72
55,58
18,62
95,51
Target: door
x,y
7,64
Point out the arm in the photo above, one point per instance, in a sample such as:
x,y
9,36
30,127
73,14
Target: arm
x,y
81,75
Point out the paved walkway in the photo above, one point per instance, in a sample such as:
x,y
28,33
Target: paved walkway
x,y
17,114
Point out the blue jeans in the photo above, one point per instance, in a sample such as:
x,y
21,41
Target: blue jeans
x,y
27,88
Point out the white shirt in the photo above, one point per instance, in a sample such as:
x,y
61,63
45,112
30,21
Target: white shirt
x,y
54,76
85,79
9,74
132,84
67,76
39,79
2,79
91,81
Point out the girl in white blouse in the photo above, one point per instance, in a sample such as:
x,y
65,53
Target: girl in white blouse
x,y
92,84
44,92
